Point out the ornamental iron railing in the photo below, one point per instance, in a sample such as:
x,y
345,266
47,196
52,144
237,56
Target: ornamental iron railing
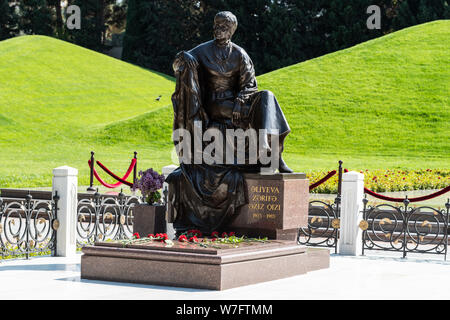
x,y
28,227
323,225
323,219
103,217
405,229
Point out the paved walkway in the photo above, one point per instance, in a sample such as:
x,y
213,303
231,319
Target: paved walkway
x,y
371,277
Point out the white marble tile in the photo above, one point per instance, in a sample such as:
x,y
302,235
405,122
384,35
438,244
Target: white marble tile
x,y
371,277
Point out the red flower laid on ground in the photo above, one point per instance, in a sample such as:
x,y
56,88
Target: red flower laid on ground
x,y
136,235
224,235
215,234
232,234
182,238
151,235
162,236
193,239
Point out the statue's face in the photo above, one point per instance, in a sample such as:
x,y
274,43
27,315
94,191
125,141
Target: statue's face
x,y
223,29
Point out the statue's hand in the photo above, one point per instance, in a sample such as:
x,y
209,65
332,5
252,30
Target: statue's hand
x,y
190,60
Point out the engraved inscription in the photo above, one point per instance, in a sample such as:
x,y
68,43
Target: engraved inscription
x,y
264,202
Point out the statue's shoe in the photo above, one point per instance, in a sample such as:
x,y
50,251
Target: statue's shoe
x,y
283,168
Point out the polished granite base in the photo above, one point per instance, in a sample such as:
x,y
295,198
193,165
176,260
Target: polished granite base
x,y
190,265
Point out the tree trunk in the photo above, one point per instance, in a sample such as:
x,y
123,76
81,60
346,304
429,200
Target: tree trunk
x,y
59,21
100,21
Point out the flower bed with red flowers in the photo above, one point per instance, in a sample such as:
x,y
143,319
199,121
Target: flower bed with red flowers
x,y
388,180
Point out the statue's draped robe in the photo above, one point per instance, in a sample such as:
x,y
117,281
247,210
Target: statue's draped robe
x,y
205,196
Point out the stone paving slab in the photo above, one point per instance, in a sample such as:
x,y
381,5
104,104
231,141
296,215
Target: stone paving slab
x,y
369,277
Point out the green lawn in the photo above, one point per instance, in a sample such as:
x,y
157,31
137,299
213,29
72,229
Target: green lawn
x,y
381,104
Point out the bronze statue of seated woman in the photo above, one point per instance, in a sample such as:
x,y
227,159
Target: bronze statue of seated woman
x,y
216,87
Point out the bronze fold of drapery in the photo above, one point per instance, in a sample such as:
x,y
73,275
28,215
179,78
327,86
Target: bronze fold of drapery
x,y
204,196
187,98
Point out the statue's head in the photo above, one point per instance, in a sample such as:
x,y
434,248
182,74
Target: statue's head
x,y
225,24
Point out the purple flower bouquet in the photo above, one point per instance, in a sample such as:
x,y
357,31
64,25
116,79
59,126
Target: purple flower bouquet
x,y
149,182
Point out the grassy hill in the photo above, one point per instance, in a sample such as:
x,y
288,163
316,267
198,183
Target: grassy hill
x,y
381,104
387,99
54,96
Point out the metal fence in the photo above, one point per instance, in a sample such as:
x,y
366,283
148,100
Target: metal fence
x,y
405,229
28,227
323,225
102,217
323,220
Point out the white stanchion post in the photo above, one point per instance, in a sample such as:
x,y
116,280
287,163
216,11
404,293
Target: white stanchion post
x,y
65,182
350,237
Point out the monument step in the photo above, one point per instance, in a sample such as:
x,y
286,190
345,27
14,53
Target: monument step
x,y
189,265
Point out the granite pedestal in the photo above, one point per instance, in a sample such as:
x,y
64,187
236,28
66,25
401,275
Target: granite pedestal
x,y
189,265
277,206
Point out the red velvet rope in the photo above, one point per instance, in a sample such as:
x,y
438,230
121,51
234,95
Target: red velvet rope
x,y
121,180
423,198
417,199
318,183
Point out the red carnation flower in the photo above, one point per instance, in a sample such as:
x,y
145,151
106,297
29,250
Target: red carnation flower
x,y
231,234
224,235
193,239
162,236
182,238
151,235
136,235
215,234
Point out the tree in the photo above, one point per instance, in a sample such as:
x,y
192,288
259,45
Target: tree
x,y
117,15
93,24
275,33
412,12
56,4
157,30
8,20
35,17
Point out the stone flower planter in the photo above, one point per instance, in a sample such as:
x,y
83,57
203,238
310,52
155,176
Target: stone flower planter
x,y
149,219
